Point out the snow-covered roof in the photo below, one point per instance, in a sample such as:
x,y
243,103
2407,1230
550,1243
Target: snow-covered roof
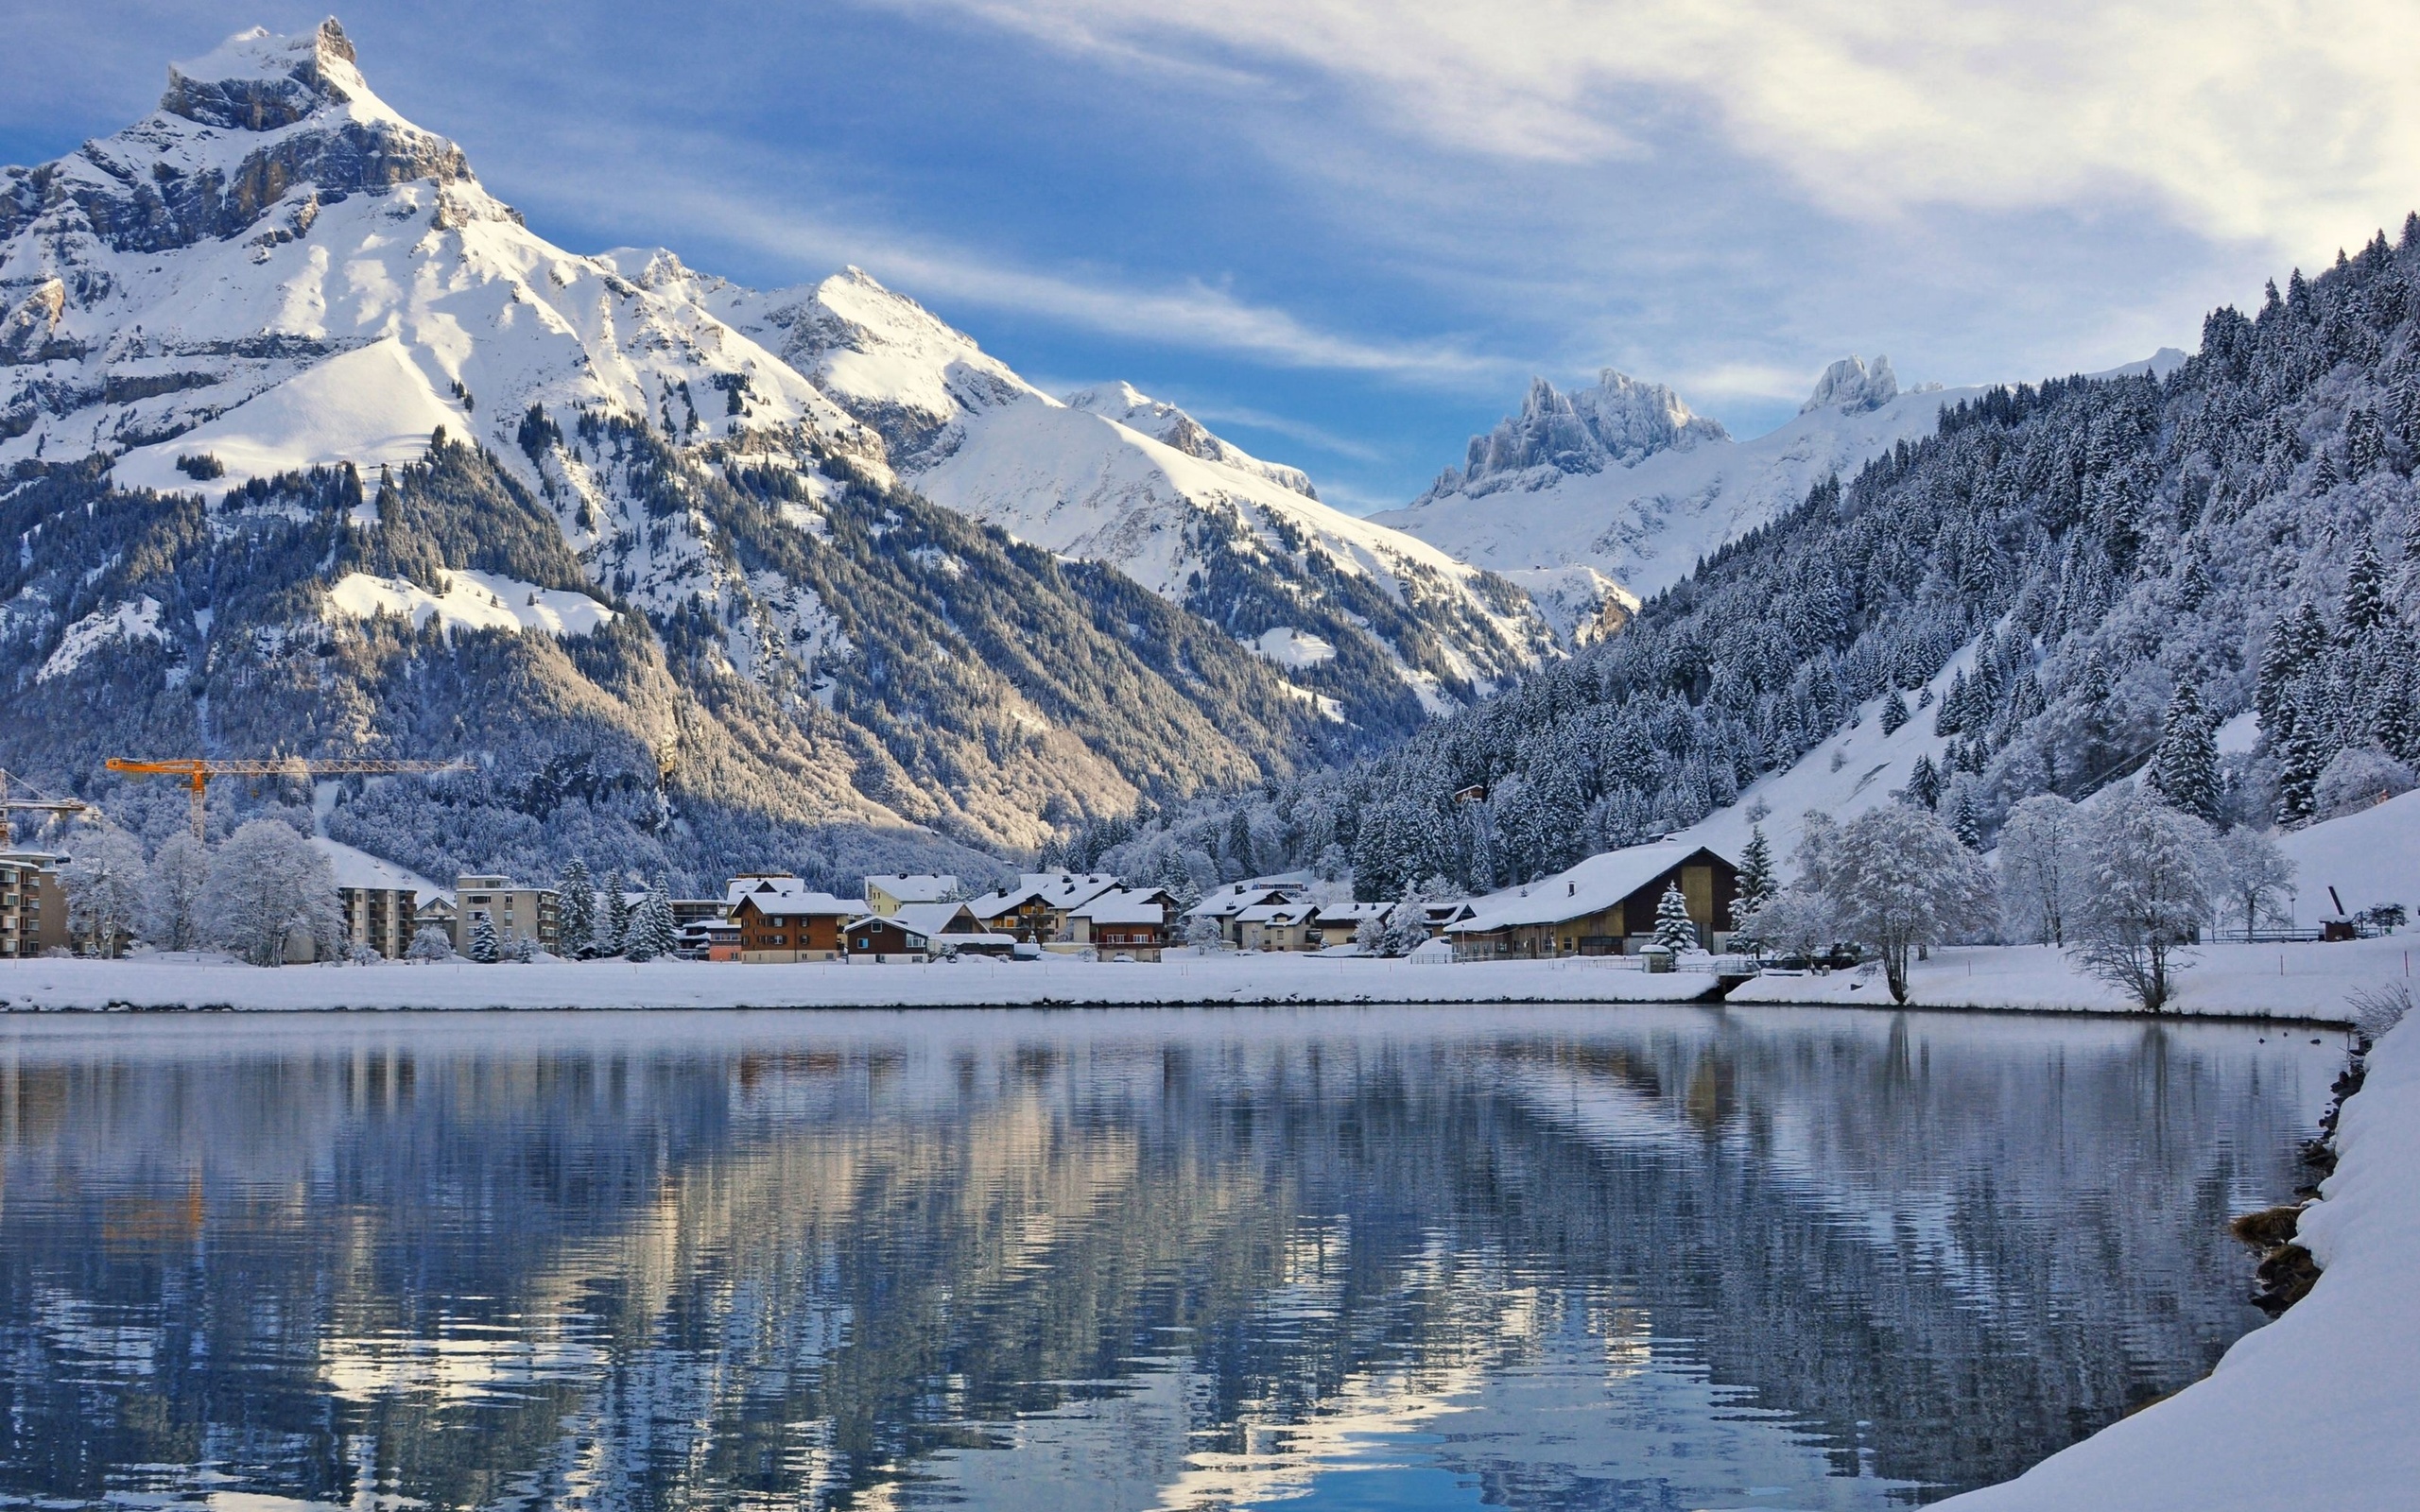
x,y
935,918
919,889
1276,913
1354,913
1128,907
788,898
1058,890
1233,898
1593,885
359,869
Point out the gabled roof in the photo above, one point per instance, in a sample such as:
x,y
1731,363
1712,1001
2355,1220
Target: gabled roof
x,y
1055,890
788,898
1593,885
1136,906
1276,913
919,888
937,917
1354,913
1233,898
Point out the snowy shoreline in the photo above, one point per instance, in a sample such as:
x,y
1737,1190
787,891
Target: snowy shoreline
x,y
2319,1408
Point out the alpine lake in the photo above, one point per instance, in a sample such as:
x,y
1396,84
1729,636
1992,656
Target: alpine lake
x,y
1323,1258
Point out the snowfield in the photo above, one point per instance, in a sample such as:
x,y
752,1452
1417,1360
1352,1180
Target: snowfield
x,y
2223,979
472,601
2321,1408
185,982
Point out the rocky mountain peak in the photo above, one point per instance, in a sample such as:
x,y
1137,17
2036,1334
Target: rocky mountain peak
x,y
1619,423
259,82
1171,426
1851,387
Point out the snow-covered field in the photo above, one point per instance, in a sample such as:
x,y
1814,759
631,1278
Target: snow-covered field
x,y
2221,979
187,983
2321,1408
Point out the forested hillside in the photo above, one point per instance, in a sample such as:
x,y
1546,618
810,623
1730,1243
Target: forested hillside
x,y
2244,526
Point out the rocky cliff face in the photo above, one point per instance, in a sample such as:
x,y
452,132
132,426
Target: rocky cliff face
x,y
1851,387
1621,423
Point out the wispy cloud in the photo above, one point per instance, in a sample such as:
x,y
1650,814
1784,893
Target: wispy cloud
x,y
2247,119
1287,427
1190,314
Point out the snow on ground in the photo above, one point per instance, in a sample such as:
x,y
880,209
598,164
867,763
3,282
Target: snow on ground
x,y
1293,648
138,620
2369,857
2321,1408
359,869
2225,979
368,406
190,982
473,601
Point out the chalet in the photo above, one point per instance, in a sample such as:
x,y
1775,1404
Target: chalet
x,y
887,895
1126,923
920,932
1035,910
1276,926
1604,906
1223,904
709,939
781,919
1340,923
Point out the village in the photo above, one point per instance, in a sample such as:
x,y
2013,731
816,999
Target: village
x,y
1652,901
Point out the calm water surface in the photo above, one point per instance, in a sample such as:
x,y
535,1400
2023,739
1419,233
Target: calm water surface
x,y
1655,1258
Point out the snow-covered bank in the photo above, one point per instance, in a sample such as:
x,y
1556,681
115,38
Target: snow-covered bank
x,y
2222,979
2321,1408
185,982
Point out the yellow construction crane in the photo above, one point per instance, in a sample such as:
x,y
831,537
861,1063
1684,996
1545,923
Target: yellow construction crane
x,y
37,804
197,771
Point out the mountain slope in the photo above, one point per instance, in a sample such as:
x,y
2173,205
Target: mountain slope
x,y
273,360
1117,477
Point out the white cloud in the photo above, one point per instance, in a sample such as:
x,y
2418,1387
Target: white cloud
x,y
2267,120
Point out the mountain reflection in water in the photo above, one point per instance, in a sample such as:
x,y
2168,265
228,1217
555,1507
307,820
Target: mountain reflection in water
x,y
1610,1258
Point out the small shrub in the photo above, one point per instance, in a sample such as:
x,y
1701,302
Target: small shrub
x,y
201,467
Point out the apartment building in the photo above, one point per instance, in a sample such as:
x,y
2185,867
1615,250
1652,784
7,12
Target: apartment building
x,y
33,910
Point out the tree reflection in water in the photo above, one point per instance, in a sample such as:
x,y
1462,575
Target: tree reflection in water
x,y
1558,1258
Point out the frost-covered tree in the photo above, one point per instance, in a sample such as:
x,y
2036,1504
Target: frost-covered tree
x,y
653,932
2040,865
2185,764
1673,929
429,944
1894,712
612,932
2356,778
1924,784
575,908
1963,822
2148,884
1793,921
104,882
172,899
268,883
2256,878
482,945
1899,881
1758,882
523,949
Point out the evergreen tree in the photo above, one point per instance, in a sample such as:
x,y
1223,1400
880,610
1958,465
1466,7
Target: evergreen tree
x,y
2299,760
2365,609
1894,712
1924,784
575,908
483,948
1758,882
612,933
653,932
2185,764
1673,929
1963,822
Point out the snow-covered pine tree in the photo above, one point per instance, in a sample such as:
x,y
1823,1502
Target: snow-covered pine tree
x,y
1674,930
612,932
1963,822
653,932
1924,784
1894,712
1757,879
483,947
2185,764
575,908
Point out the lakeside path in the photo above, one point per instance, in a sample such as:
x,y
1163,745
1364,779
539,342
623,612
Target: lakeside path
x,y
2319,1409
1216,981
2218,980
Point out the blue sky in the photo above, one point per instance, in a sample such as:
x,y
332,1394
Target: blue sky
x,y
1345,233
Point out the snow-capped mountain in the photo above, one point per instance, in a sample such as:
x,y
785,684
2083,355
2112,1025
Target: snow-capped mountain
x,y
244,343
1112,475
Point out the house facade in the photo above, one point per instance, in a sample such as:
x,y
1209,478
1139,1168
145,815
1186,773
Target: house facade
x,y
1604,906
33,909
1036,910
887,895
517,912
1129,922
782,920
